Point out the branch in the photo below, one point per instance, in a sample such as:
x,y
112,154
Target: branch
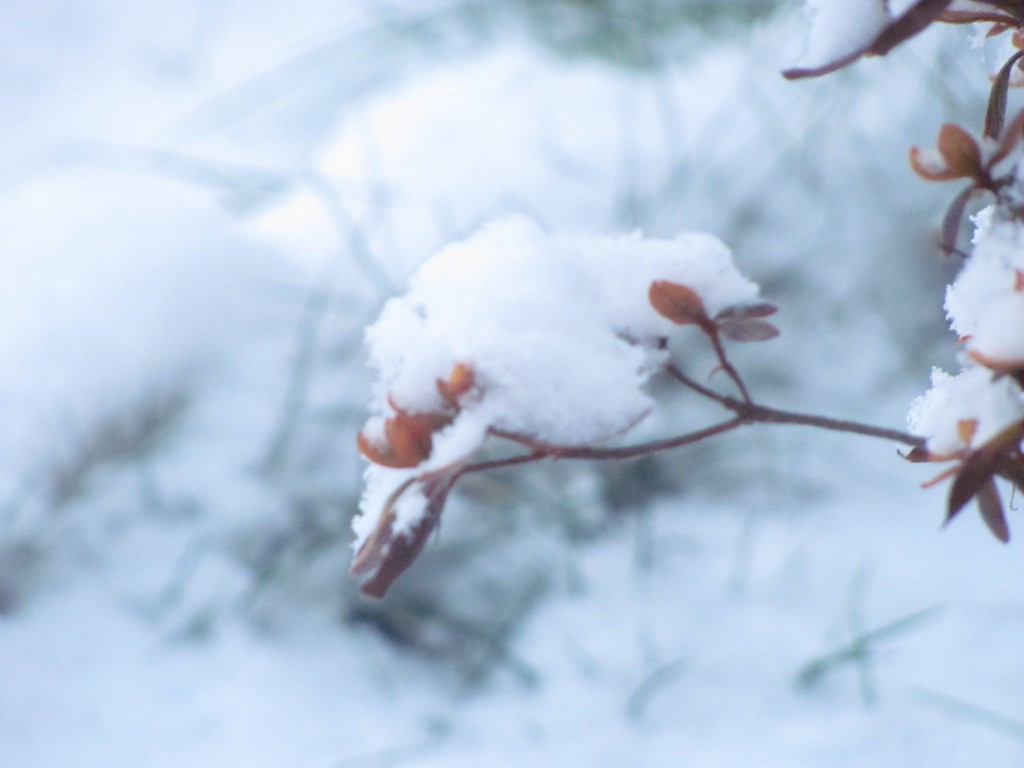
x,y
751,413
542,450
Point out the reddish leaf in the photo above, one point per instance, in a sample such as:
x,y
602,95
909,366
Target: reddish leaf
x,y
679,303
931,171
991,508
761,309
748,330
991,16
980,466
999,365
378,454
403,550
952,219
960,151
796,73
909,23
1010,137
966,428
995,113
914,20
411,435
918,455
458,383
371,553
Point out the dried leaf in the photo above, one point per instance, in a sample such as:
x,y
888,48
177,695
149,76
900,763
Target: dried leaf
x,y
914,20
909,23
679,303
797,73
960,151
995,113
458,383
379,454
745,329
931,166
1010,137
371,553
966,428
953,218
411,435
980,466
918,455
991,508
403,550
976,17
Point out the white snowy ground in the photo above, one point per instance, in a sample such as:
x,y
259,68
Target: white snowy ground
x,y
158,236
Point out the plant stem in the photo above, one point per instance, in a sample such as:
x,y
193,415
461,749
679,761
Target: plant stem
x,y
723,360
750,412
541,450
746,412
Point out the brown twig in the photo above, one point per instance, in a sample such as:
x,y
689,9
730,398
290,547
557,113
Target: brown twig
x,y
751,413
723,361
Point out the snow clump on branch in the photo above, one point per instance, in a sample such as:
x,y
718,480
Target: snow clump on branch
x,y
977,417
985,306
543,338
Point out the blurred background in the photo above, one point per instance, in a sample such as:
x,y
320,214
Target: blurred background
x,y
202,206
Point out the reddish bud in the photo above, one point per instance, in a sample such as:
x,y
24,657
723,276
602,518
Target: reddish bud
x,y
966,428
458,383
409,439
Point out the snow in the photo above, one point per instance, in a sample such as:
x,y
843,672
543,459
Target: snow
x,y
188,605
975,397
985,306
558,332
984,301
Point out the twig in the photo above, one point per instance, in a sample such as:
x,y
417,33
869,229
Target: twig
x,y
753,413
725,365
541,450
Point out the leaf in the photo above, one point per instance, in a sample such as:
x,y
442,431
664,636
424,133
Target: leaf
x,y
748,330
378,454
679,303
909,23
797,73
960,151
991,508
1010,138
761,309
458,383
902,28
995,113
952,219
402,550
411,435
371,553
993,16
918,455
966,428
980,466
931,166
